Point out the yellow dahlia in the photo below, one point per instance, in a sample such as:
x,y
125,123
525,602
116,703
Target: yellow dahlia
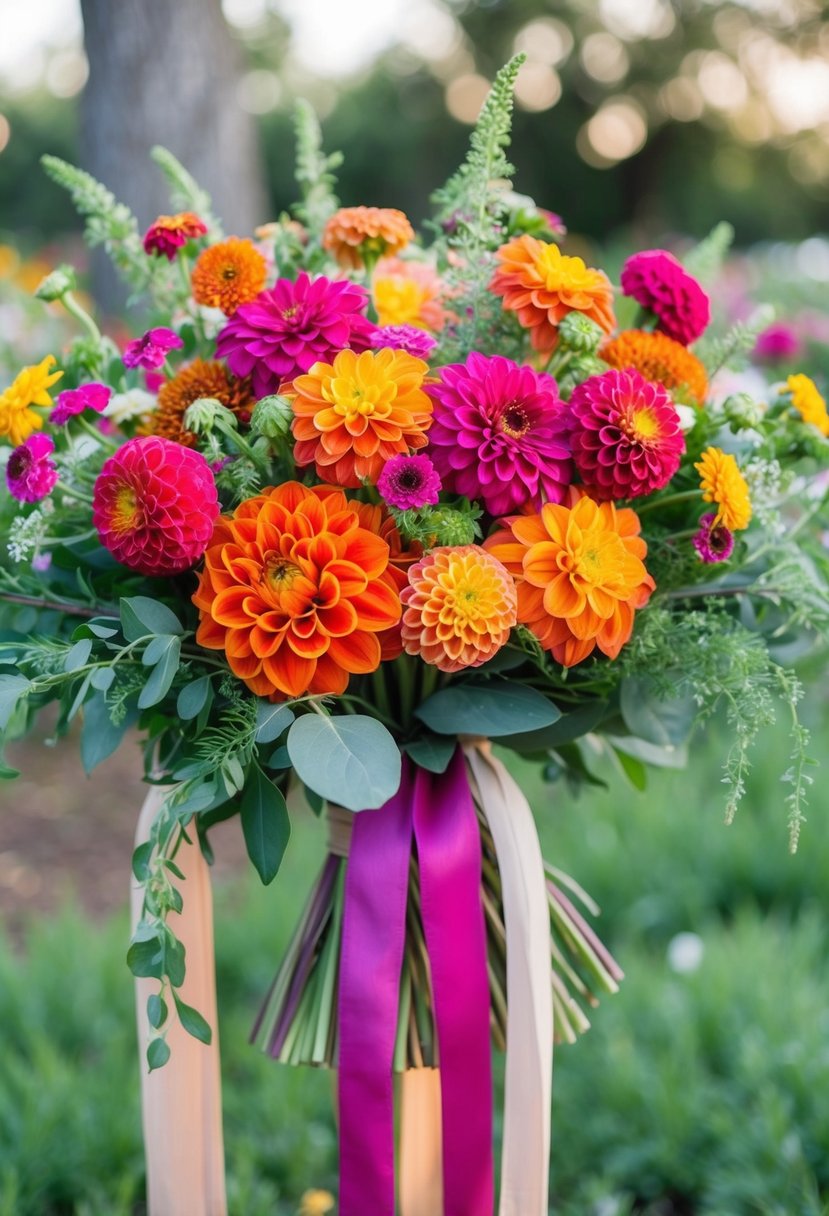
x,y
723,483
228,274
408,293
808,402
360,235
354,414
198,379
30,387
458,609
657,357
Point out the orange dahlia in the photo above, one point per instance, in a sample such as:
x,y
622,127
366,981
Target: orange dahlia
x,y
293,591
722,483
408,293
378,519
657,357
354,414
228,274
459,607
541,285
580,575
198,379
360,235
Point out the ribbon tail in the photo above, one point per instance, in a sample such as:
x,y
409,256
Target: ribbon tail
x,y
449,853
181,1103
421,1172
529,1064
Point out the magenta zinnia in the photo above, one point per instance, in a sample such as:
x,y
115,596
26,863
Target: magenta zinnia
x,y
414,341
30,474
662,285
409,482
292,326
155,504
73,401
714,542
498,434
625,435
152,349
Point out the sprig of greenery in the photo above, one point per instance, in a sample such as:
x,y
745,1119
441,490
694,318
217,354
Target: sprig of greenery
x,y
705,260
314,170
733,348
185,192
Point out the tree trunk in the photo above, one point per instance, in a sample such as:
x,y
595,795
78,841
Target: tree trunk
x,y
165,72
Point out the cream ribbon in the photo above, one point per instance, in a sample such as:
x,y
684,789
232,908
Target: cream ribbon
x,y
529,1063
420,1168
181,1103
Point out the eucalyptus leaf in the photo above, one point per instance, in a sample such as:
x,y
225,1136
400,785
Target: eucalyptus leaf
x,y
141,616
650,753
633,769
266,824
158,1053
271,720
351,760
569,726
12,690
193,698
77,655
500,708
162,675
432,752
101,678
156,1011
156,649
100,736
192,1021
667,722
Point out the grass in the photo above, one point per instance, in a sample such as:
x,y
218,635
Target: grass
x,y
701,1091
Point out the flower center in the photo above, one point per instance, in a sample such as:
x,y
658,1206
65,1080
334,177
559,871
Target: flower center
x,y
289,313
229,272
280,572
408,479
126,512
514,421
641,423
19,463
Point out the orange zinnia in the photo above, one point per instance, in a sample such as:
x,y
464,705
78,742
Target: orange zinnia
x,y
294,592
541,286
228,274
657,357
580,575
354,414
360,235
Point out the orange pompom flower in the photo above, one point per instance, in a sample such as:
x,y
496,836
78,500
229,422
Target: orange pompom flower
x,y
354,414
541,285
722,483
408,293
358,236
459,607
198,379
580,575
658,357
228,274
294,592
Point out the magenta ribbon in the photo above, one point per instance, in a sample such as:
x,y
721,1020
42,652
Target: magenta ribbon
x,y
440,812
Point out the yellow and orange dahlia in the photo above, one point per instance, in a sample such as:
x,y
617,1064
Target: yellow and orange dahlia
x,y
459,607
354,414
541,285
294,591
228,274
580,573
360,235
659,358
408,293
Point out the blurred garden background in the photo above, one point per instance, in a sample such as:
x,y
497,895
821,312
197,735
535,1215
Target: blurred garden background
x,y
704,1086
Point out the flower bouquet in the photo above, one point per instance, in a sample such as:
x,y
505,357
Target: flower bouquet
x,y
357,512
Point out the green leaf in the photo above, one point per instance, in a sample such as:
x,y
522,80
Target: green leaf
x,y
156,1011
12,690
78,654
193,698
568,727
351,760
145,957
100,737
141,616
266,824
80,696
271,720
499,708
158,1053
432,752
162,674
667,722
315,802
156,649
649,753
192,1021
141,860
102,678
633,769
174,959
101,631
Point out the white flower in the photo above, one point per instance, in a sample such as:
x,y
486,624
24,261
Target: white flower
x,y
687,416
134,403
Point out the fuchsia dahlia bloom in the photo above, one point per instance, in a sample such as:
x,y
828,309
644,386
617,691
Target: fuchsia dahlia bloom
x,y
152,349
499,434
30,474
625,435
73,401
414,341
292,326
155,504
662,285
409,482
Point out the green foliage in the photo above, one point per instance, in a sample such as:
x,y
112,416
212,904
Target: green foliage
x,y
185,192
706,259
314,170
351,760
733,348
265,823
499,708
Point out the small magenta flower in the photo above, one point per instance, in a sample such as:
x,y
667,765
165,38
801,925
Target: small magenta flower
x,y
73,401
414,341
30,474
714,542
41,562
777,343
409,482
150,351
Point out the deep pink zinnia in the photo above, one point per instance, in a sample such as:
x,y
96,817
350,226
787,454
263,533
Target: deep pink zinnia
x,y
73,401
714,542
150,351
776,343
170,233
625,435
154,506
414,341
499,434
30,474
409,482
662,285
292,326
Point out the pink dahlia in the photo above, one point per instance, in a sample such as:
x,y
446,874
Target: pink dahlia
x,y
30,474
150,351
776,343
73,401
414,341
409,482
499,434
714,542
155,504
292,326
662,285
625,435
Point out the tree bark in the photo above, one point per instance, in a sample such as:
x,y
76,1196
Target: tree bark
x,y
165,72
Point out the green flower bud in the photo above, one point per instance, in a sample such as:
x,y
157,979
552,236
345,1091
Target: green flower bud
x,y
206,412
578,371
56,284
452,527
272,417
578,333
742,411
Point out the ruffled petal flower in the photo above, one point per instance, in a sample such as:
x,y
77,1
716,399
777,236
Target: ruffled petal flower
x,y
722,483
152,349
228,274
662,285
73,401
30,474
360,235
169,233
29,387
658,357
409,482
713,542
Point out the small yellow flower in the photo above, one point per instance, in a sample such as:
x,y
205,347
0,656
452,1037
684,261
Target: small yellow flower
x,y
316,1203
723,483
17,419
808,402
